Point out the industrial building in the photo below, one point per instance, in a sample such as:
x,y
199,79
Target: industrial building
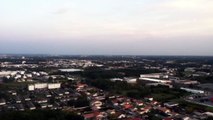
x,y
155,75
155,80
193,90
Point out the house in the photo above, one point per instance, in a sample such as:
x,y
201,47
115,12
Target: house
x,y
30,105
17,99
121,116
20,107
127,106
112,111
164,110
91,116
2,102
12,92
145,109
26,98
49,105
42,100
170,104
139,103
154,102
149,98
101,116
43,105
97,103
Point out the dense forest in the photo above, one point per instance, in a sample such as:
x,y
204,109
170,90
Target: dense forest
x,y
160,93
40,115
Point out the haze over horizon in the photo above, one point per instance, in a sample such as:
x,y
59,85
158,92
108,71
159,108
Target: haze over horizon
x,y
107,27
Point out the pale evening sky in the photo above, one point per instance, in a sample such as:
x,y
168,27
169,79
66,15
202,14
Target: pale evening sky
x,y
109,27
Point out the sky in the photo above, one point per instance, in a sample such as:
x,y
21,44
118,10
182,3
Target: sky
x,y
106,27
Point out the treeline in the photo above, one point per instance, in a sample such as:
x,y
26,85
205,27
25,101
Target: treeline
x,y
120,87
81,101
40,115
119,73
204,79
101,73
190,107
137,90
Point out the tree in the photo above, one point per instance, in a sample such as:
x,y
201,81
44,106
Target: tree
x,y
40,115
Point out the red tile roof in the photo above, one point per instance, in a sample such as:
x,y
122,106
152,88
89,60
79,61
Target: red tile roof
x,y
90,115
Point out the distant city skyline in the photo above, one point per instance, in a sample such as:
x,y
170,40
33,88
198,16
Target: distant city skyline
x,y
106,27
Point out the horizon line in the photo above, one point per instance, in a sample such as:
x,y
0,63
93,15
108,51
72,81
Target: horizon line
x,y
46,54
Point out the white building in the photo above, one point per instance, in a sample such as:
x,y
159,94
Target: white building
x,y
54,85
2,102
116,79
40,85
155,80
70,70
193,90
32,87
186,82
130,80
154,75
5,73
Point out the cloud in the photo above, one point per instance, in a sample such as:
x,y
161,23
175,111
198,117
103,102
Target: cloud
x,y
61,11
139,18
190,4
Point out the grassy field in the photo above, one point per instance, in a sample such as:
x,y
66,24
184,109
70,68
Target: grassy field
x,y
190,107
